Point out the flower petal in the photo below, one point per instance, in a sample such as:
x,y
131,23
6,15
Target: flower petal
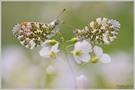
x,y
55,47
76,58
105,58
44,52
85,57
77,45
86,47
98,51
80,80
46,43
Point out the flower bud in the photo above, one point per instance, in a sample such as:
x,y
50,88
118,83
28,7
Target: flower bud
x,y
94,59
53,42
74,40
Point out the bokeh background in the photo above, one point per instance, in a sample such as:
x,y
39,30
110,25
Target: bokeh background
x,y
24,68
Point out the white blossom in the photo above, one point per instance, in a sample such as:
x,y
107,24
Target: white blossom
x,y
105,58
81,81
50,69
81,51
49,52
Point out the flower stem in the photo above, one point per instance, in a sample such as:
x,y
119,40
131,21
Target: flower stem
x,y
81,67
67,41
70,67
69,46
63,44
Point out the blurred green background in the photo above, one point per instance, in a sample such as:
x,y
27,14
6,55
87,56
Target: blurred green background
x,y
77,14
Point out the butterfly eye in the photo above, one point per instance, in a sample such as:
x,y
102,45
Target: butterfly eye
x,y
32,34
100,31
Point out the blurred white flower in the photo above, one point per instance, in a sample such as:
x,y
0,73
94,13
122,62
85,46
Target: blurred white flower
x,y
64,76
48,52
80,81
81,51
17,71
105,58
120,70
50,70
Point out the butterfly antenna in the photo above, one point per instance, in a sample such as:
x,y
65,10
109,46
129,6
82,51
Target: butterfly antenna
x,y
61,12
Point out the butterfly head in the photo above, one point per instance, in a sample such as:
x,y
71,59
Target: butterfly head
x,y
55,22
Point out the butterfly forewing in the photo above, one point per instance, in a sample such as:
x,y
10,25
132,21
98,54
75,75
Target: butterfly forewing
x,y
32,34
101,31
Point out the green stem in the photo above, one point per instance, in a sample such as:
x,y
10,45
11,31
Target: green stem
x,y
70,67
63,44
81,67
69,46
67,41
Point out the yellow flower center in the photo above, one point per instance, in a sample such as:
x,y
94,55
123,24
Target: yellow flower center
x,y
78,52
53,54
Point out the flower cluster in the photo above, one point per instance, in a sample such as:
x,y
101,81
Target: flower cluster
x,y
101,31
82,51
32,34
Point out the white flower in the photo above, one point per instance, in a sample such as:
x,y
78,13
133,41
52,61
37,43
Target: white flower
x,y
49,52
81,51
80,81
50,69
105,58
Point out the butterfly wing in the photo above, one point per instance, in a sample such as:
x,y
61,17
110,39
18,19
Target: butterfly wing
x,y
32,34
101,31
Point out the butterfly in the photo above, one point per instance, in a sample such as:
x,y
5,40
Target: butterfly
x,y
100,31
32,34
